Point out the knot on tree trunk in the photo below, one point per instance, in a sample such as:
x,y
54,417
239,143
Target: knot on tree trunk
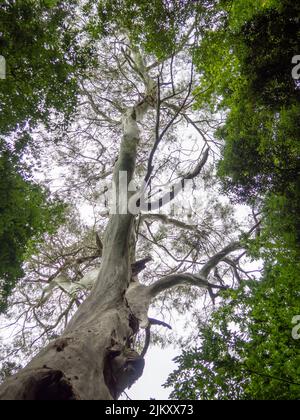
x,y
122,369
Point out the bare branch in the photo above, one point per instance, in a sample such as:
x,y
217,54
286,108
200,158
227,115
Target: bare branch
x,y
214,261
170,221
183,279
175,189
161,323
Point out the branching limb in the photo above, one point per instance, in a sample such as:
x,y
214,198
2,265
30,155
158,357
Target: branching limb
x,y
160,136
217,258
153,321
96,109
176,189
184,279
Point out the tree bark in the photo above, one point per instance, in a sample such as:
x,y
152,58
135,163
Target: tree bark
x,y
94,358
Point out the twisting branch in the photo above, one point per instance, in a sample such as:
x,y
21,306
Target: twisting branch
x,y
152,321
184,279
199,167
214,261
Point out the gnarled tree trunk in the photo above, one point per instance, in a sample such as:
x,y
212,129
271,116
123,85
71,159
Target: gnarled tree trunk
x,y
94,358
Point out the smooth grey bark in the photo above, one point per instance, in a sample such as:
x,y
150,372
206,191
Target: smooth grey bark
x,y
94,358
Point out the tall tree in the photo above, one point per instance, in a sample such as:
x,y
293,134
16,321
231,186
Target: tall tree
x,y
136,117
138,101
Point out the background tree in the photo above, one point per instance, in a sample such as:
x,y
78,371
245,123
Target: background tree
x,y
45,54
246,350
136,113
251,336
26,214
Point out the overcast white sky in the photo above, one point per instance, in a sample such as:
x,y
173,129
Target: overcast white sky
x,y
158,366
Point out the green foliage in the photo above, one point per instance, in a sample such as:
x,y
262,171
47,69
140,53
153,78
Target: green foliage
x,y
26,213
245,67
246,351
158,25
44,57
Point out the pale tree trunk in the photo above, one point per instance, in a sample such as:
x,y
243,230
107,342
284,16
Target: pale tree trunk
x,y
94,358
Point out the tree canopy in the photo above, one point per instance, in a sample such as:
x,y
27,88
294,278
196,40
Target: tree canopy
x,y
247,351
187,94
44,55
26,214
